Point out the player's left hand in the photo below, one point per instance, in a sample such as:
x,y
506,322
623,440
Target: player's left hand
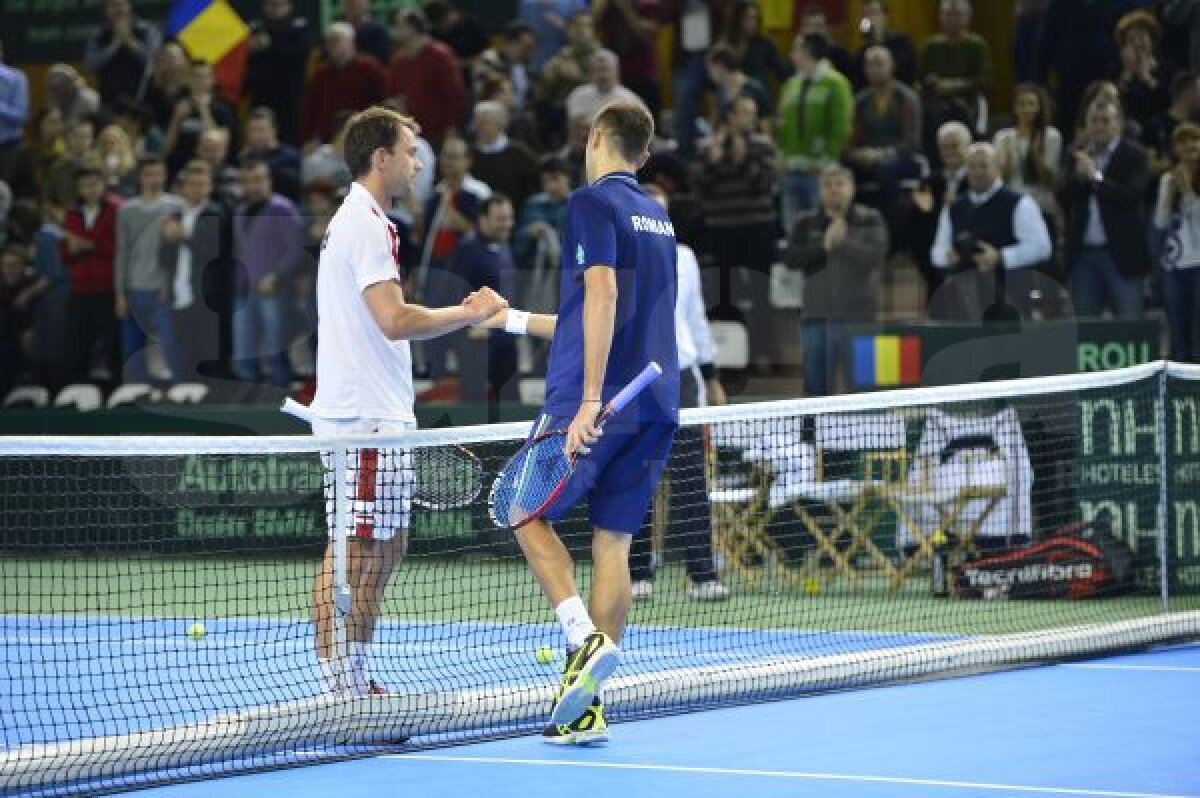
x,y
583,431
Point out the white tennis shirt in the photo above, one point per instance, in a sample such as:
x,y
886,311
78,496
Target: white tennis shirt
x,y
360,373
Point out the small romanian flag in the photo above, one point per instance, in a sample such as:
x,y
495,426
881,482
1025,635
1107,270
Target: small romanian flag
x,y
210,30
886,360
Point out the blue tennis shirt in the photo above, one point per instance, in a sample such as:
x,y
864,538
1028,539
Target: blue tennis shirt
x,y
613,223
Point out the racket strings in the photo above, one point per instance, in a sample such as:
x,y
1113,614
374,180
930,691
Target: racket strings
x,y
529,480
446,477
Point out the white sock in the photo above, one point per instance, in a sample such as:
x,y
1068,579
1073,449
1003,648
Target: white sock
x,y
357,679
333,678
576,622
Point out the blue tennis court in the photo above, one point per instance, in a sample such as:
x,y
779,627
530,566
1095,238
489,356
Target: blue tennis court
x,y
239,661
1120,726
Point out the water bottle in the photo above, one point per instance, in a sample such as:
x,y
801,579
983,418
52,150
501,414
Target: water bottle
x,y
939,585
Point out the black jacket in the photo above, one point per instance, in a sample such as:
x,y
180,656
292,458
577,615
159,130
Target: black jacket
x,y
843,284
1121,196
211,246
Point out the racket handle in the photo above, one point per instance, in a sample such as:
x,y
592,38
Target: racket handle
x,y
649,374
294,408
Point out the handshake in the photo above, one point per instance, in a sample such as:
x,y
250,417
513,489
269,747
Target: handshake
x,y
487,309
484,305
490,311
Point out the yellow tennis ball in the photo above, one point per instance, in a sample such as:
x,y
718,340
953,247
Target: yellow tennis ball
x,y
546,655
197,631
812,586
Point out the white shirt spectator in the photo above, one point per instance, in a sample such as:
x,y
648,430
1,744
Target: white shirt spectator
x,y
1182,250
183,269
692,334
1033,239
360,373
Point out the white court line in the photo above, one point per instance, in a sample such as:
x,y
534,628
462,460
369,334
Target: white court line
x,y
180,641
1097,666
787,774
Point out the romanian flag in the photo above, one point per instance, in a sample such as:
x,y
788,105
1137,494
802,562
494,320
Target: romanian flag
x,y
886,360
210,30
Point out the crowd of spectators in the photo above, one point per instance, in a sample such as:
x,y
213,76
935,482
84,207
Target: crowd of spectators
x,y
141,201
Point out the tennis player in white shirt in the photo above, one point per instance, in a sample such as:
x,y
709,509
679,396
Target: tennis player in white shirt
x,y
364,379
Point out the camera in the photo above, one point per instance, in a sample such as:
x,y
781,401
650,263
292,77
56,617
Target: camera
x,y
965,245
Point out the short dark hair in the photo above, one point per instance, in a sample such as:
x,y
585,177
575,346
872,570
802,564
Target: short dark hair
x,y
251,162
370,130
816,44
436,11
723,55
264,113
631,127
552,164
89,168
494,199
147,161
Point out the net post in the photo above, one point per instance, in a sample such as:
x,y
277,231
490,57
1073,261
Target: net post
x,y
1163,514
342,598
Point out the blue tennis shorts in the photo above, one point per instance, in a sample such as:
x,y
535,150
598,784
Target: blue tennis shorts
x,y
618,476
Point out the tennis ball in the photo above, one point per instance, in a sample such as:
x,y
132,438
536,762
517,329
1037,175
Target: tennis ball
x,y
546,655
812,586
197,631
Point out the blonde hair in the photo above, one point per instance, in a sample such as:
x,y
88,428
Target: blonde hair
x,y
115,138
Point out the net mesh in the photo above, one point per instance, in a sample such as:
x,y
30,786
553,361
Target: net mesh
x,y
845,531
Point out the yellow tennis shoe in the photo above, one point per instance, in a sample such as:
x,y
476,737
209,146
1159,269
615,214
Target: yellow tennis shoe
x,y
590,728
586,670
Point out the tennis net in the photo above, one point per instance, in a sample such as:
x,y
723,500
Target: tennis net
x,y
156,594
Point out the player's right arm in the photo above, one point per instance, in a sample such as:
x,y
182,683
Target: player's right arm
x,y
399,320
368,252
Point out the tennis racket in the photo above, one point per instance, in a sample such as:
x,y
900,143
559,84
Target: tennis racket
x,y
447,477
536,475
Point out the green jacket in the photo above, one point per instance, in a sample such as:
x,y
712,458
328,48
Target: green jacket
x,y
818,131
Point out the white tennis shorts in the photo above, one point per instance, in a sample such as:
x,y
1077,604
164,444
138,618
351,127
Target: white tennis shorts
x,y
379,482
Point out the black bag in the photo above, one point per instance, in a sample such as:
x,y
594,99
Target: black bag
x,y
1078,560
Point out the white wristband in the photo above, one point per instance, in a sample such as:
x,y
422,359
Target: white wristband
x,y
516,322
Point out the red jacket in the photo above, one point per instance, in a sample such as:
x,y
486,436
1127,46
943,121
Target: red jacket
x,y
359,84
92,271
432,85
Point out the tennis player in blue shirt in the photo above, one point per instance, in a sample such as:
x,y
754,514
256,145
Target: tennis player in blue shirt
x,y
616,314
